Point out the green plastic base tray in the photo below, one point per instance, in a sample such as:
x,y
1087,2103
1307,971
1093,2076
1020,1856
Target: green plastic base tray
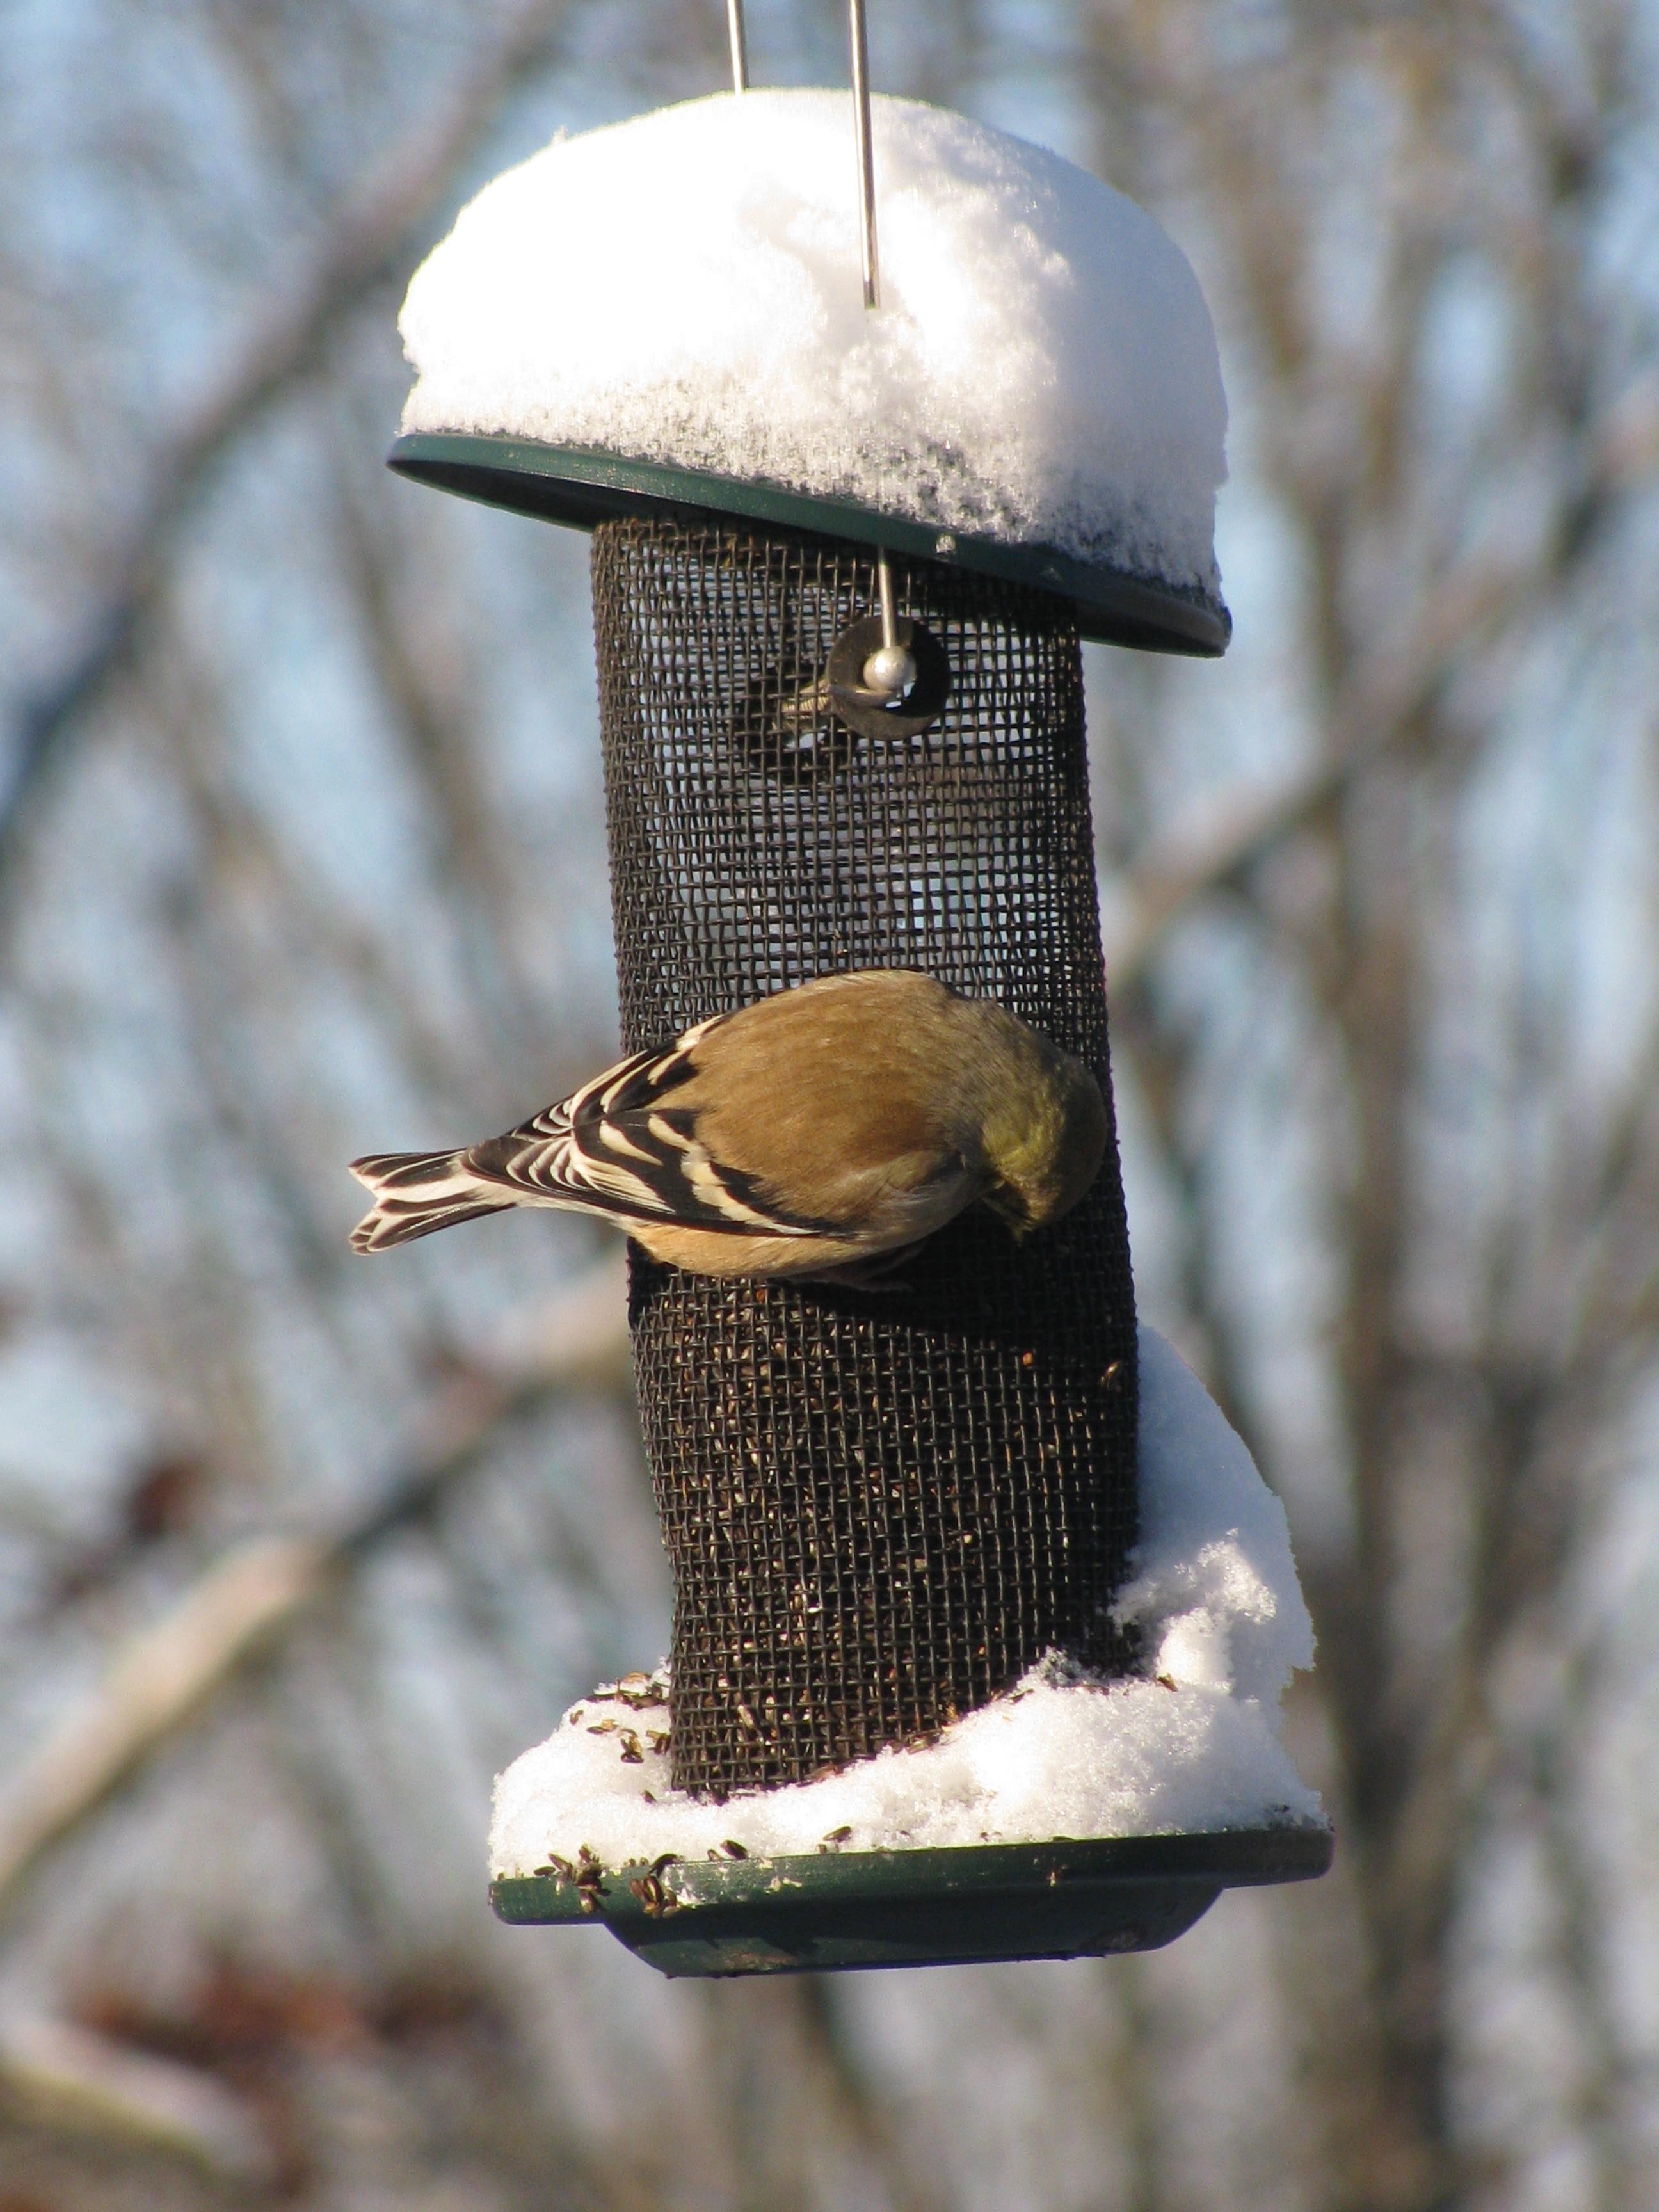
x,y
923,1908
577,485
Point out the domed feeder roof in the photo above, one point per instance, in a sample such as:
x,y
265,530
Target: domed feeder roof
x,y
668,312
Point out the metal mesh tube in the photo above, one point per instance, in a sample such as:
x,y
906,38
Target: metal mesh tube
x,y
880,1508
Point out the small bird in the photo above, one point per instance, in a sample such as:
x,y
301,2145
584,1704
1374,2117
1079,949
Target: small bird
x,y
822,1133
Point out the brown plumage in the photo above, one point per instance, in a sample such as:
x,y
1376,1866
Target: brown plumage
x,y
823,1132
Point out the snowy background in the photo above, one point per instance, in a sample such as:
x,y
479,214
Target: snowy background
x,y
300,840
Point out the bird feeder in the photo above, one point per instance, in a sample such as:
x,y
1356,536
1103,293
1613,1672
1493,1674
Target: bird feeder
x,y
883,1509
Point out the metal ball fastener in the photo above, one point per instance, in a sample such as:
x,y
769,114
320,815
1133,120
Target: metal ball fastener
x,y
889,672
913,653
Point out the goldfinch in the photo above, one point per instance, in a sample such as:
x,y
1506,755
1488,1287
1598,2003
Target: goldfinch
x,y
825,1133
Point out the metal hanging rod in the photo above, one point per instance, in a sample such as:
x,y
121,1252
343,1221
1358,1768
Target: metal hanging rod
x,y
739,46
892,670
866,153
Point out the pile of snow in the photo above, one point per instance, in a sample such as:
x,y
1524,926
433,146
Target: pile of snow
x,y
685,288
1194,1746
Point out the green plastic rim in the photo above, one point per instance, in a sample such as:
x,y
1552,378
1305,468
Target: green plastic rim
x,y
844,1910
582,486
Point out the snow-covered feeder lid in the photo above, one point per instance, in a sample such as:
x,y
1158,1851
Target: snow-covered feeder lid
x,y
668,312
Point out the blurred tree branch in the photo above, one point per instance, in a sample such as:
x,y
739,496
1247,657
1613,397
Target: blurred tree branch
x,y
1385,705
372,238
166,1672
1433,555
1401,1153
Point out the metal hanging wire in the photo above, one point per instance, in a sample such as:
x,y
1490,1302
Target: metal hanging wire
x,y
739,46
891,672
866,153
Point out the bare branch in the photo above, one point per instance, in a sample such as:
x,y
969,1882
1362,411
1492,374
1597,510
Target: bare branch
x,y
1193,861
63,2075
167,1671
1467,611
156,1683
378,229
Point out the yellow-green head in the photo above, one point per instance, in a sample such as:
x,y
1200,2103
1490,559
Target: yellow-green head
x,y
1044,1130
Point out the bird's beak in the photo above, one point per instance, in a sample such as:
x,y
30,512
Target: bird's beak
x,y
1010,1209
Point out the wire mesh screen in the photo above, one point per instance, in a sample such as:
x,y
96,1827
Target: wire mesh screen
x,y
880,1508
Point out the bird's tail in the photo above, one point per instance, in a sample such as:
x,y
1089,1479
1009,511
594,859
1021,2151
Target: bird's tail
x,y
415,1193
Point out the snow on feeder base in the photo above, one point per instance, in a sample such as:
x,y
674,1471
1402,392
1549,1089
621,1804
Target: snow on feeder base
x,y
900,1521
1071,1816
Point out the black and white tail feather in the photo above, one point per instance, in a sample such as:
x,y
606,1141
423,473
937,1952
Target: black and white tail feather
x,y
613,1148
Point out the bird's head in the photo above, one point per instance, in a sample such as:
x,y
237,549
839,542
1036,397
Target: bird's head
x,y
1044,1137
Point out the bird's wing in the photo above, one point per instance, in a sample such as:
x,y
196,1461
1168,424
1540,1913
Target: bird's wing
x,y
619,1146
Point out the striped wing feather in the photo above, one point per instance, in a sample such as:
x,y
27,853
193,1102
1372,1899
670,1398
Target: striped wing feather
x,y
619,1146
